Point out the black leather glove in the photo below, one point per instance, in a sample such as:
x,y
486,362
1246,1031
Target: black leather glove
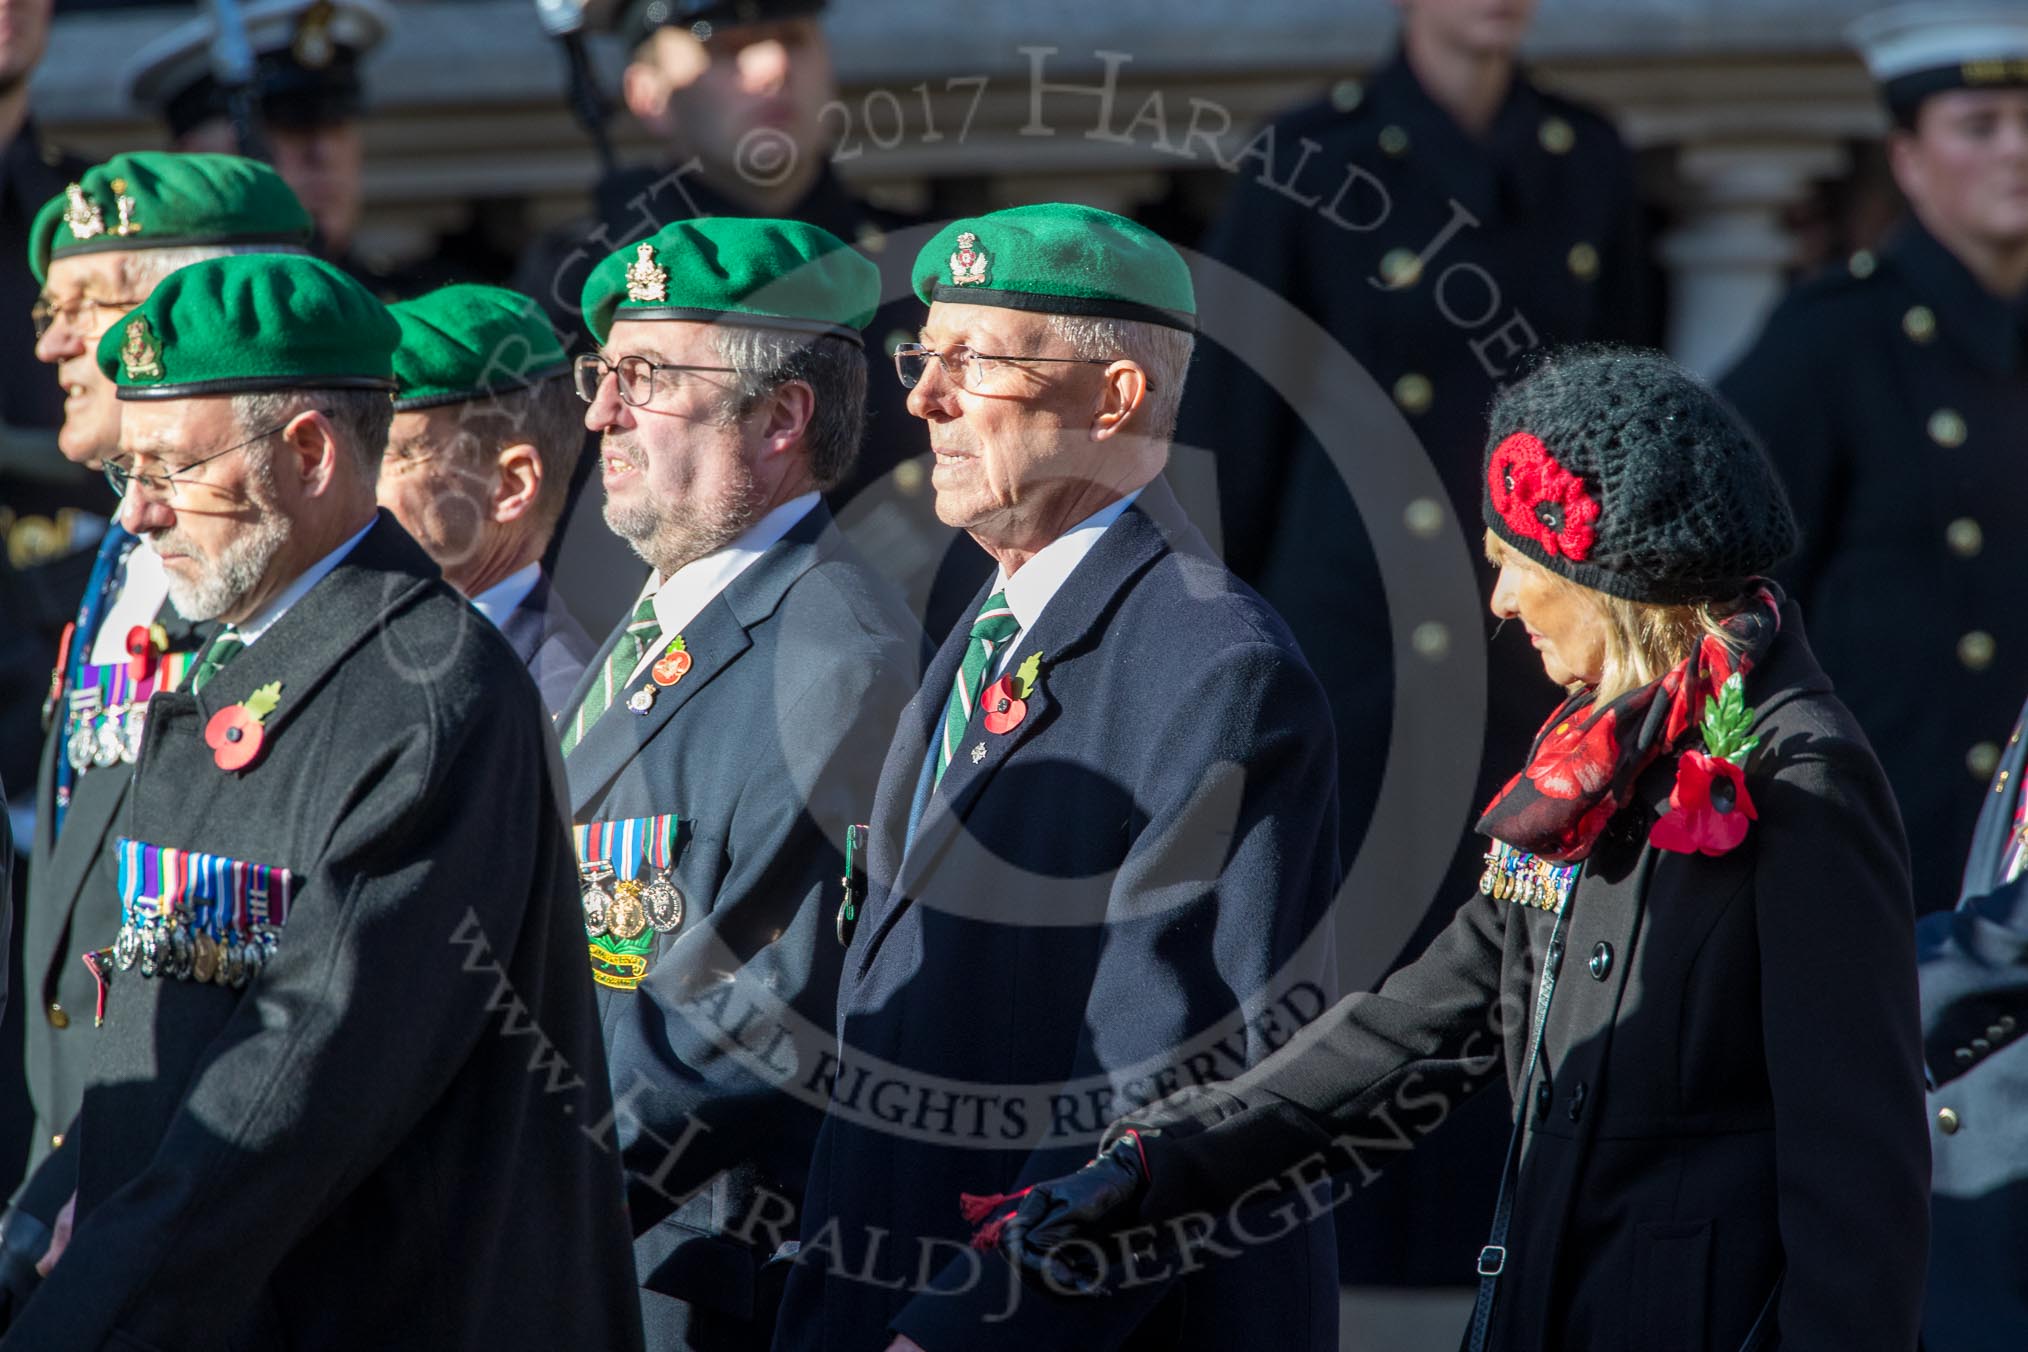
x,y
1056,1233
23,1241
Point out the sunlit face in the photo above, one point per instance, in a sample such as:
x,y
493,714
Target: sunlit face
x,y
323,164
79,286
1010,458
679,473
437,486
221,533
737,99
1965,166
24,37
1482,27
1566,626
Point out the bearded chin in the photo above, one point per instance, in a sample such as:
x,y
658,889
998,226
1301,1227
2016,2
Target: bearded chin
x,y
239,567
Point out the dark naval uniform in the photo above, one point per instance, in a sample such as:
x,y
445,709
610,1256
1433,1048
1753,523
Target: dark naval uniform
x,y
1438,261
74,901
1092,907
393,1135
1974,970
1726,1114
1891,394
550,643
762,749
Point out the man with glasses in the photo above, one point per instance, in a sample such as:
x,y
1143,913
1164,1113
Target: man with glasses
x,y
1103,843
99,248
350,1061
486,436
725,737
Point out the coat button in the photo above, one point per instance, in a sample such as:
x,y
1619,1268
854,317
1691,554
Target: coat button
x,y
1919,323
1556,956
1577,1096
1583,261
1393,141
1543,1093
2005,1025
1975,650
1346,95
1947,427
1414,393
1556,135
58,1016
56,1141
1982,760
1965,537
908,476
1964,1055
1947,1121
1601,961
1862,263
1980,1046
1400,268
1424,518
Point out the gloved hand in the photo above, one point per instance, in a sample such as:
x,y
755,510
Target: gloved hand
x,y
1055,1233
23,1241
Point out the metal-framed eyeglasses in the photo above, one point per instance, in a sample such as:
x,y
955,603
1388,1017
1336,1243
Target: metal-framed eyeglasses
x,y
970,368
639,378
164,487
82,313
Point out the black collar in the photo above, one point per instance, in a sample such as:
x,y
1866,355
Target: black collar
x,y
1985,327
1482,173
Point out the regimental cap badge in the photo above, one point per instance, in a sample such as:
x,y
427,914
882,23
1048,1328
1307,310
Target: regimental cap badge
x,y
141,352
127,224
645,280
313,47
968,264
82,215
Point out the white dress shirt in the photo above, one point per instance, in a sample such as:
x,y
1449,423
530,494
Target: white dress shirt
x,y
251,631
1039,579
143,589
682,596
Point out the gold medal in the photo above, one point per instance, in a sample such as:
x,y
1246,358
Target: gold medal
x,y
204,958
627,918
664,903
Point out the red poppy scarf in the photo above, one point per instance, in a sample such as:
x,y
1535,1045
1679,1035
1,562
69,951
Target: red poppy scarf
x,y
1586,761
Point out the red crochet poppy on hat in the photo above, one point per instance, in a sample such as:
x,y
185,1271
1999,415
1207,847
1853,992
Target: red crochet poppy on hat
x,y
1539,499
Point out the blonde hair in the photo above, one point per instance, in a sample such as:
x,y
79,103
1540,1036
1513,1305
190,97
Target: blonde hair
x,y
1642,640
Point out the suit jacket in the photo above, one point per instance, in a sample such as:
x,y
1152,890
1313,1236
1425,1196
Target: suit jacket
x,y
1126,887
1862,373
1730,1083
1974,969
550,643
73,904
767,748
395,1135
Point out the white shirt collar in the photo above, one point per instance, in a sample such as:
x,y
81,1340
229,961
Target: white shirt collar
x,y
683,595
1039,579
251,631
498,601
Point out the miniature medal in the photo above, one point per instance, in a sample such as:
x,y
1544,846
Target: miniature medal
x,y
597,906
663,902
627,918
203,958
127,948
642,700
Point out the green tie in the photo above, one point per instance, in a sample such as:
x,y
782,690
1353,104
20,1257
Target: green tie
x,y
626,655
995,626
225,645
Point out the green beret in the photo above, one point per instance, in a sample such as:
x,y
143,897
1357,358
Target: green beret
x,y
1058,259
468,342
252,322
157,199
737,270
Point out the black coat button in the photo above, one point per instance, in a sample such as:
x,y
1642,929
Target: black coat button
x,y
1555,954
1577,1097
1981,1046
1998,1032
1543,1094
1601,961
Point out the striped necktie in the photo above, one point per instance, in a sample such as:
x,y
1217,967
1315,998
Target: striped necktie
x,y
995,627
642,628
224,646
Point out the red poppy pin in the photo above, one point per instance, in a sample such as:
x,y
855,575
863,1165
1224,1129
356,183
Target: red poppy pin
x,y
1006,700
145,645
1539,499
1710,808
236,733
670,667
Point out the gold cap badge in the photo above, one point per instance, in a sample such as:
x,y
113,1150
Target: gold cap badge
x,y
82,215
968,264
645,280
141,352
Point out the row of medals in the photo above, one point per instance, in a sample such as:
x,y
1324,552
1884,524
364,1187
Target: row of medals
x,y
174,951
104,737
1513,875
628,908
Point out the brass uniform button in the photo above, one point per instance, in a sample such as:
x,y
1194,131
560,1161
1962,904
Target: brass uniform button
x,y
1431,640
1346,95
56,1141
1556,135
895,338
1965,537
1947,1121
1947,427
1424,518
1583,260
1393,141
908,476
1400,268
59,1017
1982,760
1975,650
1414,393
870,237
1919,323
1861,264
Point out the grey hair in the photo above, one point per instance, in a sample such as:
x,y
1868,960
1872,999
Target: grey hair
x,y
1162,353
144,269
360,418
834,370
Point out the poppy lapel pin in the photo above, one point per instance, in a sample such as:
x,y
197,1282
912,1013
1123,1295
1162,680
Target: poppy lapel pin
x,y
237,733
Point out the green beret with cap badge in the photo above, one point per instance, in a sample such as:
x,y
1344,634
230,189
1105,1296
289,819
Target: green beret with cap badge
x,y
160,199
1058,258
467,342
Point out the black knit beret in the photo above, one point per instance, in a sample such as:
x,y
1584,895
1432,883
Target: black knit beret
x,y
1623,472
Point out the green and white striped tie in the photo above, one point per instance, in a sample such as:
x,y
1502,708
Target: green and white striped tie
x,y
224,646
995,627
642,629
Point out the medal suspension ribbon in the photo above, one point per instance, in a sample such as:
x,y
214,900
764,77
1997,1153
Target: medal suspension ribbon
x,y
662,841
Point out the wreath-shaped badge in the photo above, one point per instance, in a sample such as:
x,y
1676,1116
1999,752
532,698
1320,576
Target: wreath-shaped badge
x,y
1710,808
